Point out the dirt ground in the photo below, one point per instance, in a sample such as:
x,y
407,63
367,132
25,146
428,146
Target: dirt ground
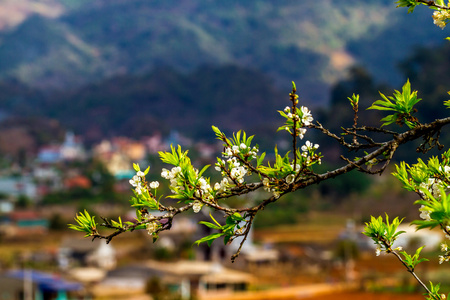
x,y
369,296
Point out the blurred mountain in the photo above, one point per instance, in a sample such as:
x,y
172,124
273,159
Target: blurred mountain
x,y
165,100
218,62
67,44
13,12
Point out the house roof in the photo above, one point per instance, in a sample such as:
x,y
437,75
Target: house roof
x,y
25,215
77,182
87,274
262,255
45,281
207,271
134,271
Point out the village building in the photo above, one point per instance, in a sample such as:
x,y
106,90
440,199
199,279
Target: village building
x,y
186,278
76,252
25,222
34,285
72,148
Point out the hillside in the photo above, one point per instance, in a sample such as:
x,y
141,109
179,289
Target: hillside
x,y
165,100
14,12
132,67
310,42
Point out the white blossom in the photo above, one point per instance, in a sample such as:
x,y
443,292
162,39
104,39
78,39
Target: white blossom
x,y
228,152
165,173
424,213
297,167
301,133
135,181
151,227
202,182
440,18
306,116
175,171
378,250
197,206
309,146
446,169
266,183
154,184
139,189
222,185
290,178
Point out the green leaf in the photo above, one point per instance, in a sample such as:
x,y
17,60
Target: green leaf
x,y
203,170
411,4
236,217
217,131
214,220
260,159
354,100
210,225
86,223
402,103
447,103
147,170
209,239
422,224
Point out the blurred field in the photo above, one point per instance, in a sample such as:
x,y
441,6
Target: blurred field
x,y
369,296
316,292
280,281
320,228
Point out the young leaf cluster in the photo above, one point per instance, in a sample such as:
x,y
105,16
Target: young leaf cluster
x,y
382,232
233,225
402,103
412,261
431,175
433,293
86,224
438,209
